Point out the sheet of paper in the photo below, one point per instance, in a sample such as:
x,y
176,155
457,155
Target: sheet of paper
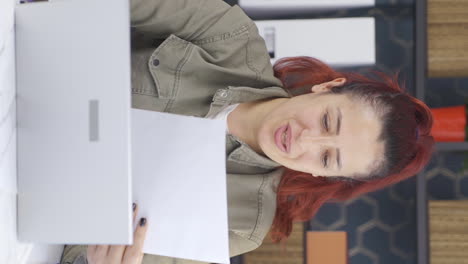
x,y
179,183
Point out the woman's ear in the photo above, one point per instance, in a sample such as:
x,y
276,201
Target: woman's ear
x,y
326,86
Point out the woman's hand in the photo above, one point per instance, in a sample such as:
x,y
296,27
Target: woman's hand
x,y
120,254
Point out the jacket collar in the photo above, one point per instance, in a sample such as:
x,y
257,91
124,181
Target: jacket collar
x,y
241,94
247,156
235,95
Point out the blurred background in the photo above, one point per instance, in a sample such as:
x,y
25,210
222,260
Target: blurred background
x,y
421,220
382,227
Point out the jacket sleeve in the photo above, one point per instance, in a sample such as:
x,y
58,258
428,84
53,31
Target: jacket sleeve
x,y
74,254
188,19
238,244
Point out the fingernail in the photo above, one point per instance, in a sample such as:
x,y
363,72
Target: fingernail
x,y
134,207
142,221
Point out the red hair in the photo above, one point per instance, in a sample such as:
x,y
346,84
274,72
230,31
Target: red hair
x,y
408,150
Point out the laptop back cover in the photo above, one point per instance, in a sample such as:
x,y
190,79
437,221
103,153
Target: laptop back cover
x,y
73,122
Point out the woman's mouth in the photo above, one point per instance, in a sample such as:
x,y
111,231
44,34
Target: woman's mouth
x,y
283,138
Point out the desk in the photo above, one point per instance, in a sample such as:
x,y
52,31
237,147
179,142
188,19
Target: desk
x,y
11,250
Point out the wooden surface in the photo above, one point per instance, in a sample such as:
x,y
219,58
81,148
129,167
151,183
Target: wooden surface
x,y
327,247
448,225
447,38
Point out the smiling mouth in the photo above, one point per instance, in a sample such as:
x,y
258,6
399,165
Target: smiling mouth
x,y
283,138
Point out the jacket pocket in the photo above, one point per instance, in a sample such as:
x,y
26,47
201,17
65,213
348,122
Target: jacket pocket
x,y
165,65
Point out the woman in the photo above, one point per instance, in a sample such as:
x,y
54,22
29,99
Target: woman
x,y
285,155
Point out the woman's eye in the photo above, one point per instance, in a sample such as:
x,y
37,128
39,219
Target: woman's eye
x,y
325,159
325,121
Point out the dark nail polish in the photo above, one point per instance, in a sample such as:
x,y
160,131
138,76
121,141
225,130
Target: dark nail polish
x,y
142,221
134,207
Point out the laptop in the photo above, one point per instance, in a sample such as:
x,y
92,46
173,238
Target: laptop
x,y
73,122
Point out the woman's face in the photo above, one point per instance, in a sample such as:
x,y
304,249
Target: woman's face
x,y
323,134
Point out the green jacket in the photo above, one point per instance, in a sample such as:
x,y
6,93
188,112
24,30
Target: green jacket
x,y
193,57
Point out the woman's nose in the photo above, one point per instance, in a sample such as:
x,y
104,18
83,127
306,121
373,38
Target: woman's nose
x,y
308,137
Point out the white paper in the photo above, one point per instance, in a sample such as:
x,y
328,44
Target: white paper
x,y
179,183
